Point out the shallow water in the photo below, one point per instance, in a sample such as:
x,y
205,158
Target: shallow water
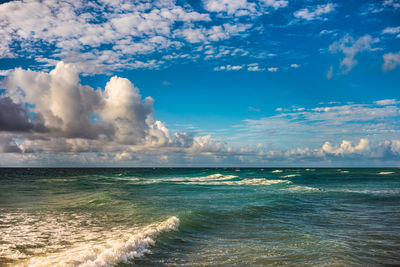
x,y
153,217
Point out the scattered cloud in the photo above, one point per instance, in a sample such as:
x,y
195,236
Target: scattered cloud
x,y
315,13
231,7
391,61
229,67
331,122
275,3
392,3
123,37
392,30
272,69
350,47
255,67
252,67
240,8
295,66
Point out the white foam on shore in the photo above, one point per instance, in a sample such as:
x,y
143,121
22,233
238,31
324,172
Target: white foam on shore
x,y
385,173
121,246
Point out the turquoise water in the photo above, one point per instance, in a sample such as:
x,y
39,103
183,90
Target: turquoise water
x,y
167,217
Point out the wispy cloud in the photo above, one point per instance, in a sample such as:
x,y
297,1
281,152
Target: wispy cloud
x,y
350,47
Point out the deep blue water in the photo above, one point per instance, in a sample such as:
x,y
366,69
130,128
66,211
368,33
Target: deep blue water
x,y
167,217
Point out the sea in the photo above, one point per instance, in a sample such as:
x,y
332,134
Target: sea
x,y
199,217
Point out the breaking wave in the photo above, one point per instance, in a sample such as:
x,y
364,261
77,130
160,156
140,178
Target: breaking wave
x,y
119,247
212,177
247,181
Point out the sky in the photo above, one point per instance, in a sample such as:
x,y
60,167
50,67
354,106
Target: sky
x,y
205,83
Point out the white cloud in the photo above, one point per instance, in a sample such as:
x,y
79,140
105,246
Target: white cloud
x,y
240,8
272,69
295,66
228,68
346,147
386,102
231,7
350,47
275,3
254,67
326,32
316,125
212,34
391,61
392,3
119,39
69,116
392,30
314,13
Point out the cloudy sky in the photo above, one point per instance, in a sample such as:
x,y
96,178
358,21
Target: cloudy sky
x,y
200,83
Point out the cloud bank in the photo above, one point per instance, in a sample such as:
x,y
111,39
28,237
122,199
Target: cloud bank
x,y
51,114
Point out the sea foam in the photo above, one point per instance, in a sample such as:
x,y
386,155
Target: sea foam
x,y
121,248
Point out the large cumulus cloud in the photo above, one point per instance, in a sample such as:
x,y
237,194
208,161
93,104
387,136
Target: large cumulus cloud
x,y
56,105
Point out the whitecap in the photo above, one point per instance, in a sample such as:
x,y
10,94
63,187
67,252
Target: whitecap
x,y
277,171
247,181
290,175
302,188
211,177
385,173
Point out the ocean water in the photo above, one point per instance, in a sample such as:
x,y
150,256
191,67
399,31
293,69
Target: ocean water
x,y
199,217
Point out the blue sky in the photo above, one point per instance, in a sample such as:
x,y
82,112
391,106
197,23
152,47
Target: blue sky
x,y
200,83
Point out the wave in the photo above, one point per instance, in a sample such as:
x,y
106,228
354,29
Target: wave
x,y
366,191
211,177
385,173
247,181
277,171
302,188
111,251
290,175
